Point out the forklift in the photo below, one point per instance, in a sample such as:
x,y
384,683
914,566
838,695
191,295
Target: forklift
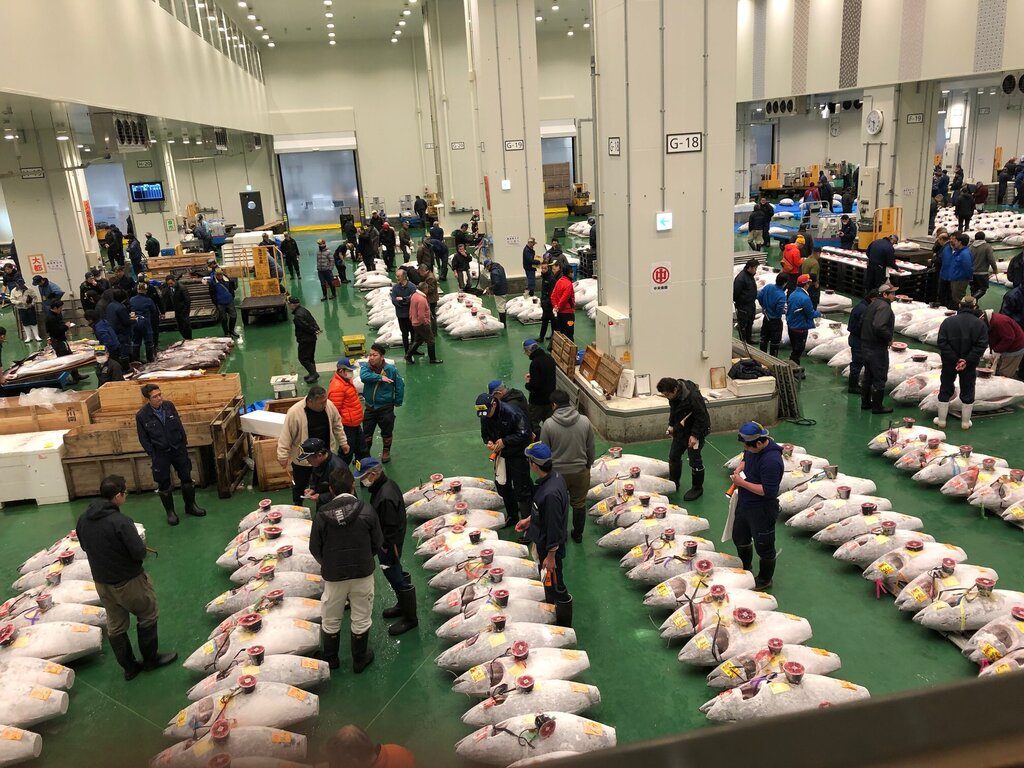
x,y
580,203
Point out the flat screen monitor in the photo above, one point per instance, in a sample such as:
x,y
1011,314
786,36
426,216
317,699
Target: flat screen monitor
x,y
147,191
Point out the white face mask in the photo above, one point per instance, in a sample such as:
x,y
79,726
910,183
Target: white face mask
x,y
367,482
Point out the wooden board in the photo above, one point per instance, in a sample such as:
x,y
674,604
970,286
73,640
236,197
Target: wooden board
x,y
564,352
270,476
83,475
231,447
591,357
16,419
214,389
607,375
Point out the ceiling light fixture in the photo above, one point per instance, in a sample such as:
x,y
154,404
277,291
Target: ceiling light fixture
x,y
398,32
328,2
945,92
259,27
63,136
79,146
554,7
266,37
333,42
539,17
406,12
200,4
394,39
329,15
152,141
86,149
242,4
170,141
330,25
401,22
570,33
251,17
271,44
586,23
211,18
330,34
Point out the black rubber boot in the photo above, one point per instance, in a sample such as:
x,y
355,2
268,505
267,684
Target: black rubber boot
x,y
745,552
853,386
362,656
579,522
876,402
149,647
167,499
407,602
188,493
697,487
765,573
121,645
773,350
503,318
396,610
331,644
865,399
563,613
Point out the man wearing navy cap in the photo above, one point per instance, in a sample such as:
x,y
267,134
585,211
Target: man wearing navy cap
x,y
509,395
757,481
547,529
323,463
505,431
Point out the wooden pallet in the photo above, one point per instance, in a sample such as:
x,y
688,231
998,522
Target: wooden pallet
x,y
231,447
213,389
789,396
609,370
591,357
564,352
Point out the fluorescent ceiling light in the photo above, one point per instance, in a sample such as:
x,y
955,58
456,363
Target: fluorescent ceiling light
x,y
570,33
394,39
401,22
586,23
259,27
539,17
333,42
329,15
271,44
251,17
554,7
242,4
330,25
63,137
398,31
266,37
328,2
406,12
330,34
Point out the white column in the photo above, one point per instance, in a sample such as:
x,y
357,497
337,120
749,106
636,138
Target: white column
x,y
503,55
149,217
666,67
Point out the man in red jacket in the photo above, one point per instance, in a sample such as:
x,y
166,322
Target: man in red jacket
x,y
1006,339
342,392
563,302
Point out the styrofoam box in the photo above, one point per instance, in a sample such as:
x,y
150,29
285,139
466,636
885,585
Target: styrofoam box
x,y
265,423
763,385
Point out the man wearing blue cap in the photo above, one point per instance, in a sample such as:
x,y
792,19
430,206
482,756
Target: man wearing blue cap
x,y
323,463
547,529
540,381
508,395
505,431
757,480
387,501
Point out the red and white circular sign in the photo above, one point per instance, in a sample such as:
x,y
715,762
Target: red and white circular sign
x,y
660,274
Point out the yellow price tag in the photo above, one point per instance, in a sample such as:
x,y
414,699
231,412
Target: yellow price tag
x,y
80,628
730,670
42,694
517,669
951,581
11,734
89,587
886,568
702,642
313,578
919,594
570,655
281,737
310,603
297,694
848,685
310,664
302,624
990,652
497,639
209,648
250,669
576,688
590,728
821,651
20,642
90,610
617,532
202,747
602,507
560,631
219,600
476,674
778,687
680,621
52,669
549,607
1002,668
650,523
663,590
182,717
636,552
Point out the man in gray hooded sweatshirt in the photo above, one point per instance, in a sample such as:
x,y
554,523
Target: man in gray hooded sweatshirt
x,y
570,436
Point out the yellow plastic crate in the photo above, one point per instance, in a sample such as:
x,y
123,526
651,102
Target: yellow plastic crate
x,y
354,345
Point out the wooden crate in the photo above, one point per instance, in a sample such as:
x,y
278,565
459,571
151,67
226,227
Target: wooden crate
x,y
609,370
84,474
270,476
231,448
591,357
564,351
213,389
16,419
161,266
268,287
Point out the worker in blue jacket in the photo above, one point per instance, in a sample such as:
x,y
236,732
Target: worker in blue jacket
x,y
772,299
144,318
121,324
505,430
800,316
383,391
957,266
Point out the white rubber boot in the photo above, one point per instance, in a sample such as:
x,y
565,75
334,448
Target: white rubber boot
x,y
940,420
965,417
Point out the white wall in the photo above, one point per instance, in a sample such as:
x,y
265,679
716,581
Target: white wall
x,y
6,233
126,55
364,86
803,140
565,93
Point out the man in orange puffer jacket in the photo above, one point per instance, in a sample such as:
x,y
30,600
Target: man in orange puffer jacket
x,y
342,392
792,260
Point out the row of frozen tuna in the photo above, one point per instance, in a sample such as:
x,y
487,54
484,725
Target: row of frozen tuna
x,y
257,661
755,650
54,619
508,651
461,315
528,310
986,482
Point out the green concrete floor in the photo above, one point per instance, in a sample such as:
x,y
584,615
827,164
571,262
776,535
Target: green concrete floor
x,y
403,697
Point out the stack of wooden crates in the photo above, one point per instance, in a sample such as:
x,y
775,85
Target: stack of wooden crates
x,y
209,407
270,475
557,185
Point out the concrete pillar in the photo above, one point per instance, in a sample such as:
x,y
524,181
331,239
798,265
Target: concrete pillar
x,y
503,73
666,67
149,217
47,209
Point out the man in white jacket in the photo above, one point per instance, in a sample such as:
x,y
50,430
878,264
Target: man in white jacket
x,y
570,436
315,416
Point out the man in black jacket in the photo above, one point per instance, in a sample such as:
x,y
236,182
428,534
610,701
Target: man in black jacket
x,y
854,326
181,303
847,233
344,538
386,500
152,246
388,240
547,529
881,256
744,298
688,424
540,382
163,438
323,463
755,228
57,330
510,395
769,211
116,552
290,249
876,335
964,209
505,430
963,339
306,331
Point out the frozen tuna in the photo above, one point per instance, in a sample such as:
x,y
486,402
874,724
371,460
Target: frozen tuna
x,y
75,568
666,545
624,501
18,746
865,549
640,483
625,515
868,521
443,503
467,552
1001,637
538,663
745,631
781,694
807,467
438,483
1001,492
940,470
269,512
291,526
284,561
292,584
534,735
37,671
917,456
59,641
457,600
273,705
498,638
767,660
300,671
529,695
824,485
23,704
969,610
824,513
948,579
659,568
238,742
45,557
1014,662
274,634
1014,514
615,463
261,547
471,570
719,603
454,538
477,616
541,759
277,605
490,519
895,569
789,454
60,591
659,525
678,590
27,610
